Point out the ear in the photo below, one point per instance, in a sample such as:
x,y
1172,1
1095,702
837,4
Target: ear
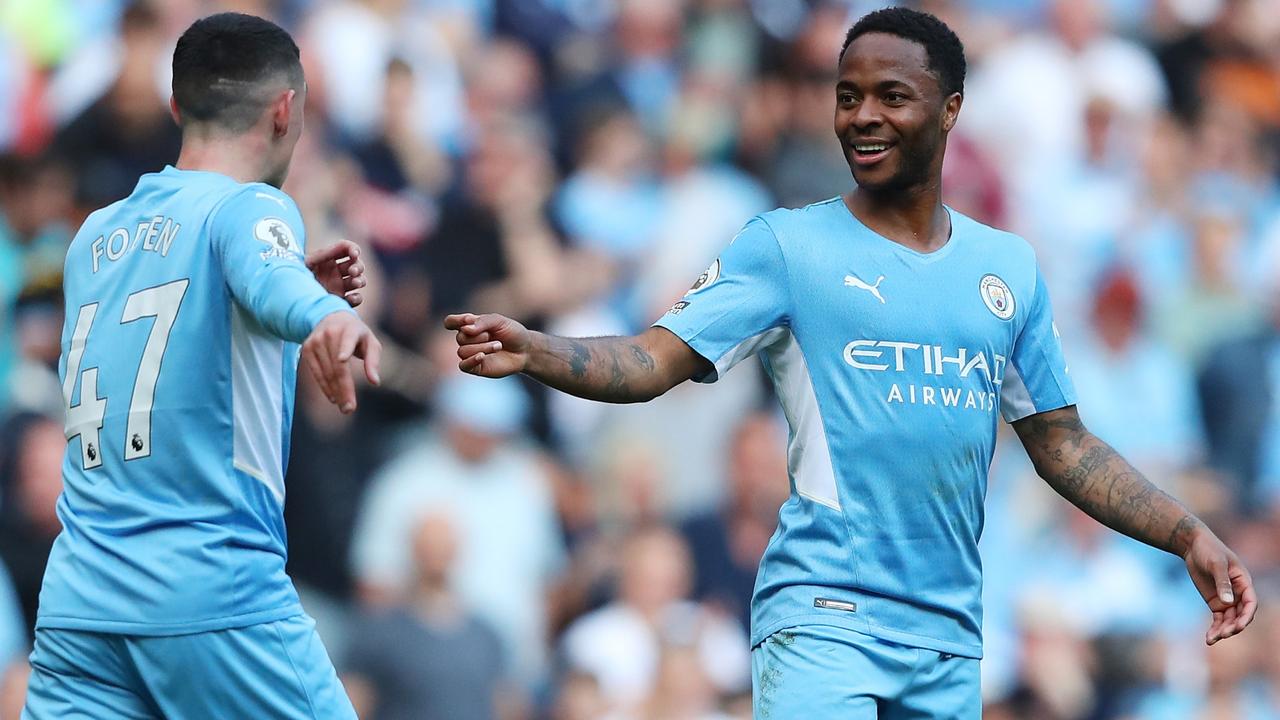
x,y
951,111
282,112
174,112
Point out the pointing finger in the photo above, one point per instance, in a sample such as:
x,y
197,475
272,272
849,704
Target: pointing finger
x,y
456,322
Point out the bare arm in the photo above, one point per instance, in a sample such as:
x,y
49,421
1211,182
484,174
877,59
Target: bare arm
x,y
608,369
1095,478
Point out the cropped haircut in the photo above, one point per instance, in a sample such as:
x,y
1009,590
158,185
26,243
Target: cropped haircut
x,y
944,49
226,67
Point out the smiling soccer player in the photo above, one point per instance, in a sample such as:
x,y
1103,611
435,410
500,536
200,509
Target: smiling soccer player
x,y
894,329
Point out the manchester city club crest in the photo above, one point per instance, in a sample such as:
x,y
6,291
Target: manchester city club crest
x,y
997,296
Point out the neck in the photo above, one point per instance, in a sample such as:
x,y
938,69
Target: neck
x,y
238,157
433,599
913,217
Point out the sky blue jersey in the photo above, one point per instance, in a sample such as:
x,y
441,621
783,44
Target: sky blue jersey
x,y
891,366
184,306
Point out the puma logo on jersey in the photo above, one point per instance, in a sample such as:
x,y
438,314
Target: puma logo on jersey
x,y
272,198
852,281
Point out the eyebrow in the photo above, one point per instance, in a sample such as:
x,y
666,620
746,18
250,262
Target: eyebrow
x,y
881,86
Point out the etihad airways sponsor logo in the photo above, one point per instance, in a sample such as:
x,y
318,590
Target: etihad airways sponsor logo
x,y
892,356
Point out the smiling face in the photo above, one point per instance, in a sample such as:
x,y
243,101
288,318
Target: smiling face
x,y
892,117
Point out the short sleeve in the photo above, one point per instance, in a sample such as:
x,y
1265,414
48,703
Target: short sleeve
x,y
259,239
729,312
1035,378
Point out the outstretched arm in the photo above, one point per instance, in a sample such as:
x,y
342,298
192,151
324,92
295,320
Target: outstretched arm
x,y
608,369
1096,479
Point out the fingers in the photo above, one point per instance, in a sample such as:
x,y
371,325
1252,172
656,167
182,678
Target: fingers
x,y
345,389
317,372
353,298
464,339
320,364
482,324
332,253
1248,604
467,351
473,325
1214,634
473,364
1234,618
329,350
1222,580
457,322
371,351
1248,608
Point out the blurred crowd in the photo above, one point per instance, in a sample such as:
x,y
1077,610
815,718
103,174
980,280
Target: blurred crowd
x,y
487,549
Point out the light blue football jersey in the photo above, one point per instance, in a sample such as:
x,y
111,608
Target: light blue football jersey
x,y
891,367
184,306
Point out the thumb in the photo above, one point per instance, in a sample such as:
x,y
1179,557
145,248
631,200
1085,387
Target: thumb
x,y
1222,580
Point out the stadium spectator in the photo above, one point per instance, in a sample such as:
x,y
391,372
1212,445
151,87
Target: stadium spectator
x,y
476,467
622,644
128,130
429,658
726,544
31,460
351,43
1135,392
34,234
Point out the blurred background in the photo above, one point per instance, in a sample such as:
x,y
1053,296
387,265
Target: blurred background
x,y
485,549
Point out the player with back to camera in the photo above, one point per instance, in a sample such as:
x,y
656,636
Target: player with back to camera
x,y
166,593
893,329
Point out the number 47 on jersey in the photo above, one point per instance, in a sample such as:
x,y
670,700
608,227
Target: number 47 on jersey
x,y
84,419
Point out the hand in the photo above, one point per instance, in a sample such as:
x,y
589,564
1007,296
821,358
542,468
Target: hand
x,y
1224,584
334,341
490,345
337,268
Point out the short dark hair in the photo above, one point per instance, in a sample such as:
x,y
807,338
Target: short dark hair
x,y
223,64
945,51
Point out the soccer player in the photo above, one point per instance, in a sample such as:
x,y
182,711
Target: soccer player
x,y
894,329
166,594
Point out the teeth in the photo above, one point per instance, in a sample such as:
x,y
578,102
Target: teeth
x,y
870,148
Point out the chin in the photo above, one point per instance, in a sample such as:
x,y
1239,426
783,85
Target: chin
x,y
877,183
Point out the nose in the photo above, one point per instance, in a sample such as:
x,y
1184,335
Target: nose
x,y
867,114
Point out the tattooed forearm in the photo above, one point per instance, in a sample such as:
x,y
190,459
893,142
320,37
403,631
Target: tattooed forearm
x,y
1094,477
643,358
609,369
579,358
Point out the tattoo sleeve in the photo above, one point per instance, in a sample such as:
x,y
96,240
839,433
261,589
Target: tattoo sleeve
x,y
608,369
1095,478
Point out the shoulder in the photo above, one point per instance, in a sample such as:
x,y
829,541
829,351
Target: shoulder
x,y
993,239
257,200
267,212
784,221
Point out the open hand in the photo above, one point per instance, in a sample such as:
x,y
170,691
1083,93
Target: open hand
x,y
334,341
338,269
1225,585
490,345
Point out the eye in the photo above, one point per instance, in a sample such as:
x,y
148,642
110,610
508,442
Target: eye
x,y
895,98
845,98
